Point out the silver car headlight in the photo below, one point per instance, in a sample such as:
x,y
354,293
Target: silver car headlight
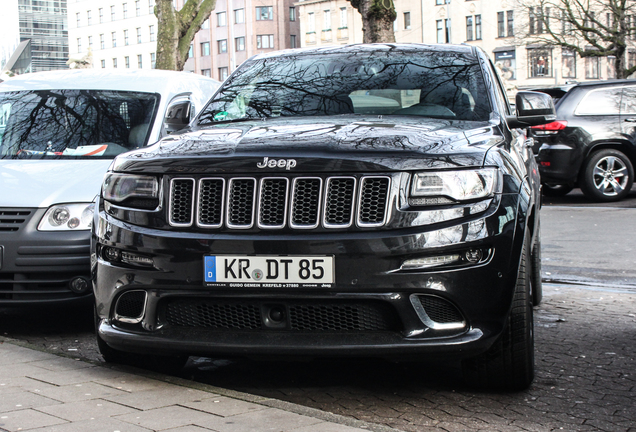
x,y
67,217
131,190
448,187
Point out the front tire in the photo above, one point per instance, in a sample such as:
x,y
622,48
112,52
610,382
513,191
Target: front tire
x,y
509,363
607,176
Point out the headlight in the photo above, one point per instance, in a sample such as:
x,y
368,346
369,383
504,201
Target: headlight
x,y
446,187
65,217
131,190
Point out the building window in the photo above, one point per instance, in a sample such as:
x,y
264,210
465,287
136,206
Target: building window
x,y
205,48
103,64
631,60
115,63
441,2
326,24
114,37
532,21
311,22
126,39
124,7
112,13
568,66
139,61
206,24
153,60
239,43
292,14
477,27
222,73
292,41
501,25
101,15
90,42
89,18
510,19
440,30
592,67
239,16
138,35
506,61
191,51
151,29
151,7
407,20
79,45
221,19
265,41
77,16
102,44
469,28
206,73
539,62
343,18
137,7
222,45
611,67
264,13
127,62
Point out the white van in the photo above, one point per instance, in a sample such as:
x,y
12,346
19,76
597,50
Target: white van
x,y
59,132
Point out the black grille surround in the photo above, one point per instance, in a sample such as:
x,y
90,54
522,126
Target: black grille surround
x,y
277,202
12,219
334,316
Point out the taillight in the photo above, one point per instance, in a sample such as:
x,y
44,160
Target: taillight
x,y
554,126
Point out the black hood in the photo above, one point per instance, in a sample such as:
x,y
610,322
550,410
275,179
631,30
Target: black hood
x,y
318,144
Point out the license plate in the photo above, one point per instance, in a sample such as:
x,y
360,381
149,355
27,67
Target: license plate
x,y
269,271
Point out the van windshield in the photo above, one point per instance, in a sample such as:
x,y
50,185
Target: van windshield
x,y
74,123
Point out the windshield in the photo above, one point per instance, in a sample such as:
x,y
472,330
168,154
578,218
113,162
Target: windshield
x,y
435,84
74,123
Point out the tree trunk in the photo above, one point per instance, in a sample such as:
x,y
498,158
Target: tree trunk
x,y
176,30
377,20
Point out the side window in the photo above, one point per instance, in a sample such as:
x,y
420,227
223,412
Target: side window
x,y
606,101
500,93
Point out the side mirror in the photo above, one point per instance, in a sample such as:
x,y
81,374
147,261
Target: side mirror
x,y
177,116
533,108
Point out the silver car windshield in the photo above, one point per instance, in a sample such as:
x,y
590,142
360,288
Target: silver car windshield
x,y
74,123
446,85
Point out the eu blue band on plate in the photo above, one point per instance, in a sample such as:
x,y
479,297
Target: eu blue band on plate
x,y
210,269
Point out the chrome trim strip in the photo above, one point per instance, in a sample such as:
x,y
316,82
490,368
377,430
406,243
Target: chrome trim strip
x,y
260,197
353,203
129,320
229,196
318,207
220,224
421,313
170,221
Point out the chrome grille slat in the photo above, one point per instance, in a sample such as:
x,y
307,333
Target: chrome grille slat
x,y
331,202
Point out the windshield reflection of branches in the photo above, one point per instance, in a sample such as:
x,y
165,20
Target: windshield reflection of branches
x,y
332,84
49,122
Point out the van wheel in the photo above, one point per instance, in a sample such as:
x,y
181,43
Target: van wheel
x,y
608,176
509,363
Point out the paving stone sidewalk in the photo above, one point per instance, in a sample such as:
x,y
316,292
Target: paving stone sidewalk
x,y
45,392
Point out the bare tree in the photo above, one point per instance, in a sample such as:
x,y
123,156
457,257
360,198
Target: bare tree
x,y
590,28
176,30
377,20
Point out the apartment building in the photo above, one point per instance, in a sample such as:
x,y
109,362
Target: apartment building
x,y
239,29
497,26
113,33
43,26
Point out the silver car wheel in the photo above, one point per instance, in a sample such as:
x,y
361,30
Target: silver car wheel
x,y
610,176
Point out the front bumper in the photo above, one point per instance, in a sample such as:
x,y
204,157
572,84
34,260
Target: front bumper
x,y
38,267
373,309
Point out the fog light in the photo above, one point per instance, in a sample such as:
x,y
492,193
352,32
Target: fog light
x,y
73,223
111,254
474,255
421,263
79,285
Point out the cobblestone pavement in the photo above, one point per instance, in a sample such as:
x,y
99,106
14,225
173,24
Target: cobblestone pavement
x,y
586,375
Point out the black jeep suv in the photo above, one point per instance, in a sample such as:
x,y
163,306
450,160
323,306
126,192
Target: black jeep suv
x,y
365,200
592,143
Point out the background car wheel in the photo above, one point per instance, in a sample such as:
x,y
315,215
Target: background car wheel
x,y
509,363
608,176
535,277
163,364
552,189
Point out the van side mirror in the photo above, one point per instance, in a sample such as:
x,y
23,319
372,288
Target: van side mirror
x,y
533,108
177,116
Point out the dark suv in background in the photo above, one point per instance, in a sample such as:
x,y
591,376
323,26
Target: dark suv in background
x,y
592,143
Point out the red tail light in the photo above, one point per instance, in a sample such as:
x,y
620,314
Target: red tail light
x,y
554,126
